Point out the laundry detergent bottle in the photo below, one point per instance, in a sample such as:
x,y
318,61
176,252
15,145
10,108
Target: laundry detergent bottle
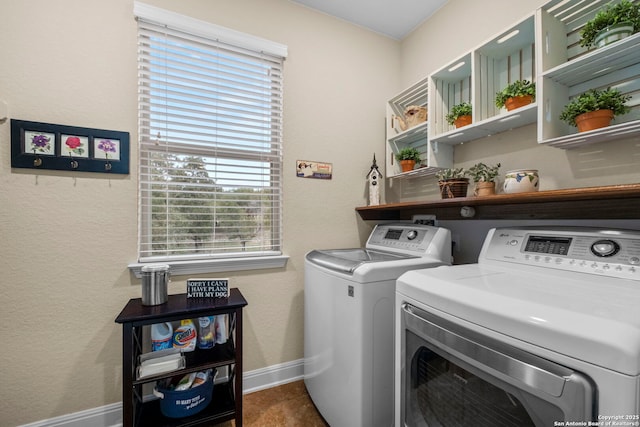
x,y
161,336
206,332
221,328
185,336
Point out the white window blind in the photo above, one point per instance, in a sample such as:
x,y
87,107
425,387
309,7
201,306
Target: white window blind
x,y
210,128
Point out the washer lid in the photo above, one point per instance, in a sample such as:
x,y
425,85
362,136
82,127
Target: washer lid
x,y
582,316
347,260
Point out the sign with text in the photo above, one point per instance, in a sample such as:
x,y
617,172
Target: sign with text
x,y
207,288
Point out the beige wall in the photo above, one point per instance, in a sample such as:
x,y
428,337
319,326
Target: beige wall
x,y
456,29
68,237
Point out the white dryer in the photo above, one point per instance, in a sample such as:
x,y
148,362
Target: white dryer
x,y
349,313
543,331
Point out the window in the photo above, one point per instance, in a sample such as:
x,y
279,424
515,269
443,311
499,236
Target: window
x,y
210,129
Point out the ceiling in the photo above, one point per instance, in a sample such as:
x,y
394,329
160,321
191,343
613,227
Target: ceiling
x,y
392,18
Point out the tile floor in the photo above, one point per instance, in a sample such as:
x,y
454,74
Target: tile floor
x,y
288,405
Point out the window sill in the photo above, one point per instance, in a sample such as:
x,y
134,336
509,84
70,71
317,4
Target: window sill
x,y
179,268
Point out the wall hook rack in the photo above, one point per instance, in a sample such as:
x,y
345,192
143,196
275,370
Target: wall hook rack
x,y
36,145
37,162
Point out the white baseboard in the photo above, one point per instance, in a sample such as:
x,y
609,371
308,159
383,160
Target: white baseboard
x,y
111,415
272,376
104,416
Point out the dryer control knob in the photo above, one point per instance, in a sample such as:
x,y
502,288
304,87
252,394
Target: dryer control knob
x,y
412,234
605,248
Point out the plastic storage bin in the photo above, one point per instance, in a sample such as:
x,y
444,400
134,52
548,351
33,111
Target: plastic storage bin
x,y
178,404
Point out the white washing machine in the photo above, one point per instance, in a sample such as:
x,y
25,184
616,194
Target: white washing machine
x,y
349,299
543,331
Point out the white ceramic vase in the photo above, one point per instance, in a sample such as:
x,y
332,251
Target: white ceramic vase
x,y
521,181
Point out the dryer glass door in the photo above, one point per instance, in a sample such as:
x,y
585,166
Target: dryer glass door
x,y
452,377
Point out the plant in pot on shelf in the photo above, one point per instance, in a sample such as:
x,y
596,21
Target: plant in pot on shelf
x,y
516,95
460,115
485,178
611,24
453,183
595,109
408,157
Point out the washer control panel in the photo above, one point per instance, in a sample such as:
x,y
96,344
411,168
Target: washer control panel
x,y
405,237
608,252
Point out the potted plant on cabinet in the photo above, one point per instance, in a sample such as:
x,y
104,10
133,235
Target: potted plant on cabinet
x,y
595,109
452,183
485,178
516,95
460,115
408,157
611,24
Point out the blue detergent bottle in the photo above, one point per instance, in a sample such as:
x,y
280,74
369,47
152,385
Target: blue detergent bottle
x,y
161,336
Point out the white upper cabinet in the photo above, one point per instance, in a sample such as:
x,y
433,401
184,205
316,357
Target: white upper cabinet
x,y
477,77
401,135
568,70
451,86
543,48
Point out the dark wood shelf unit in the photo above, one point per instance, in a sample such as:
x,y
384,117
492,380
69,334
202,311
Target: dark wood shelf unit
x,y
607,202
226,403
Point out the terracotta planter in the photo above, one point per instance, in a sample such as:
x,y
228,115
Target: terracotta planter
x,y
450,188
485,188
462,121
594,120
517,102
407,165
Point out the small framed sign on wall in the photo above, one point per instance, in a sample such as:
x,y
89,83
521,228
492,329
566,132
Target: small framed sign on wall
x,y
317,170
36,145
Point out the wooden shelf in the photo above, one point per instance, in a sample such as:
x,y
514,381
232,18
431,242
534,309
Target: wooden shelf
x,y
499,123
608,202
614,57
416,173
